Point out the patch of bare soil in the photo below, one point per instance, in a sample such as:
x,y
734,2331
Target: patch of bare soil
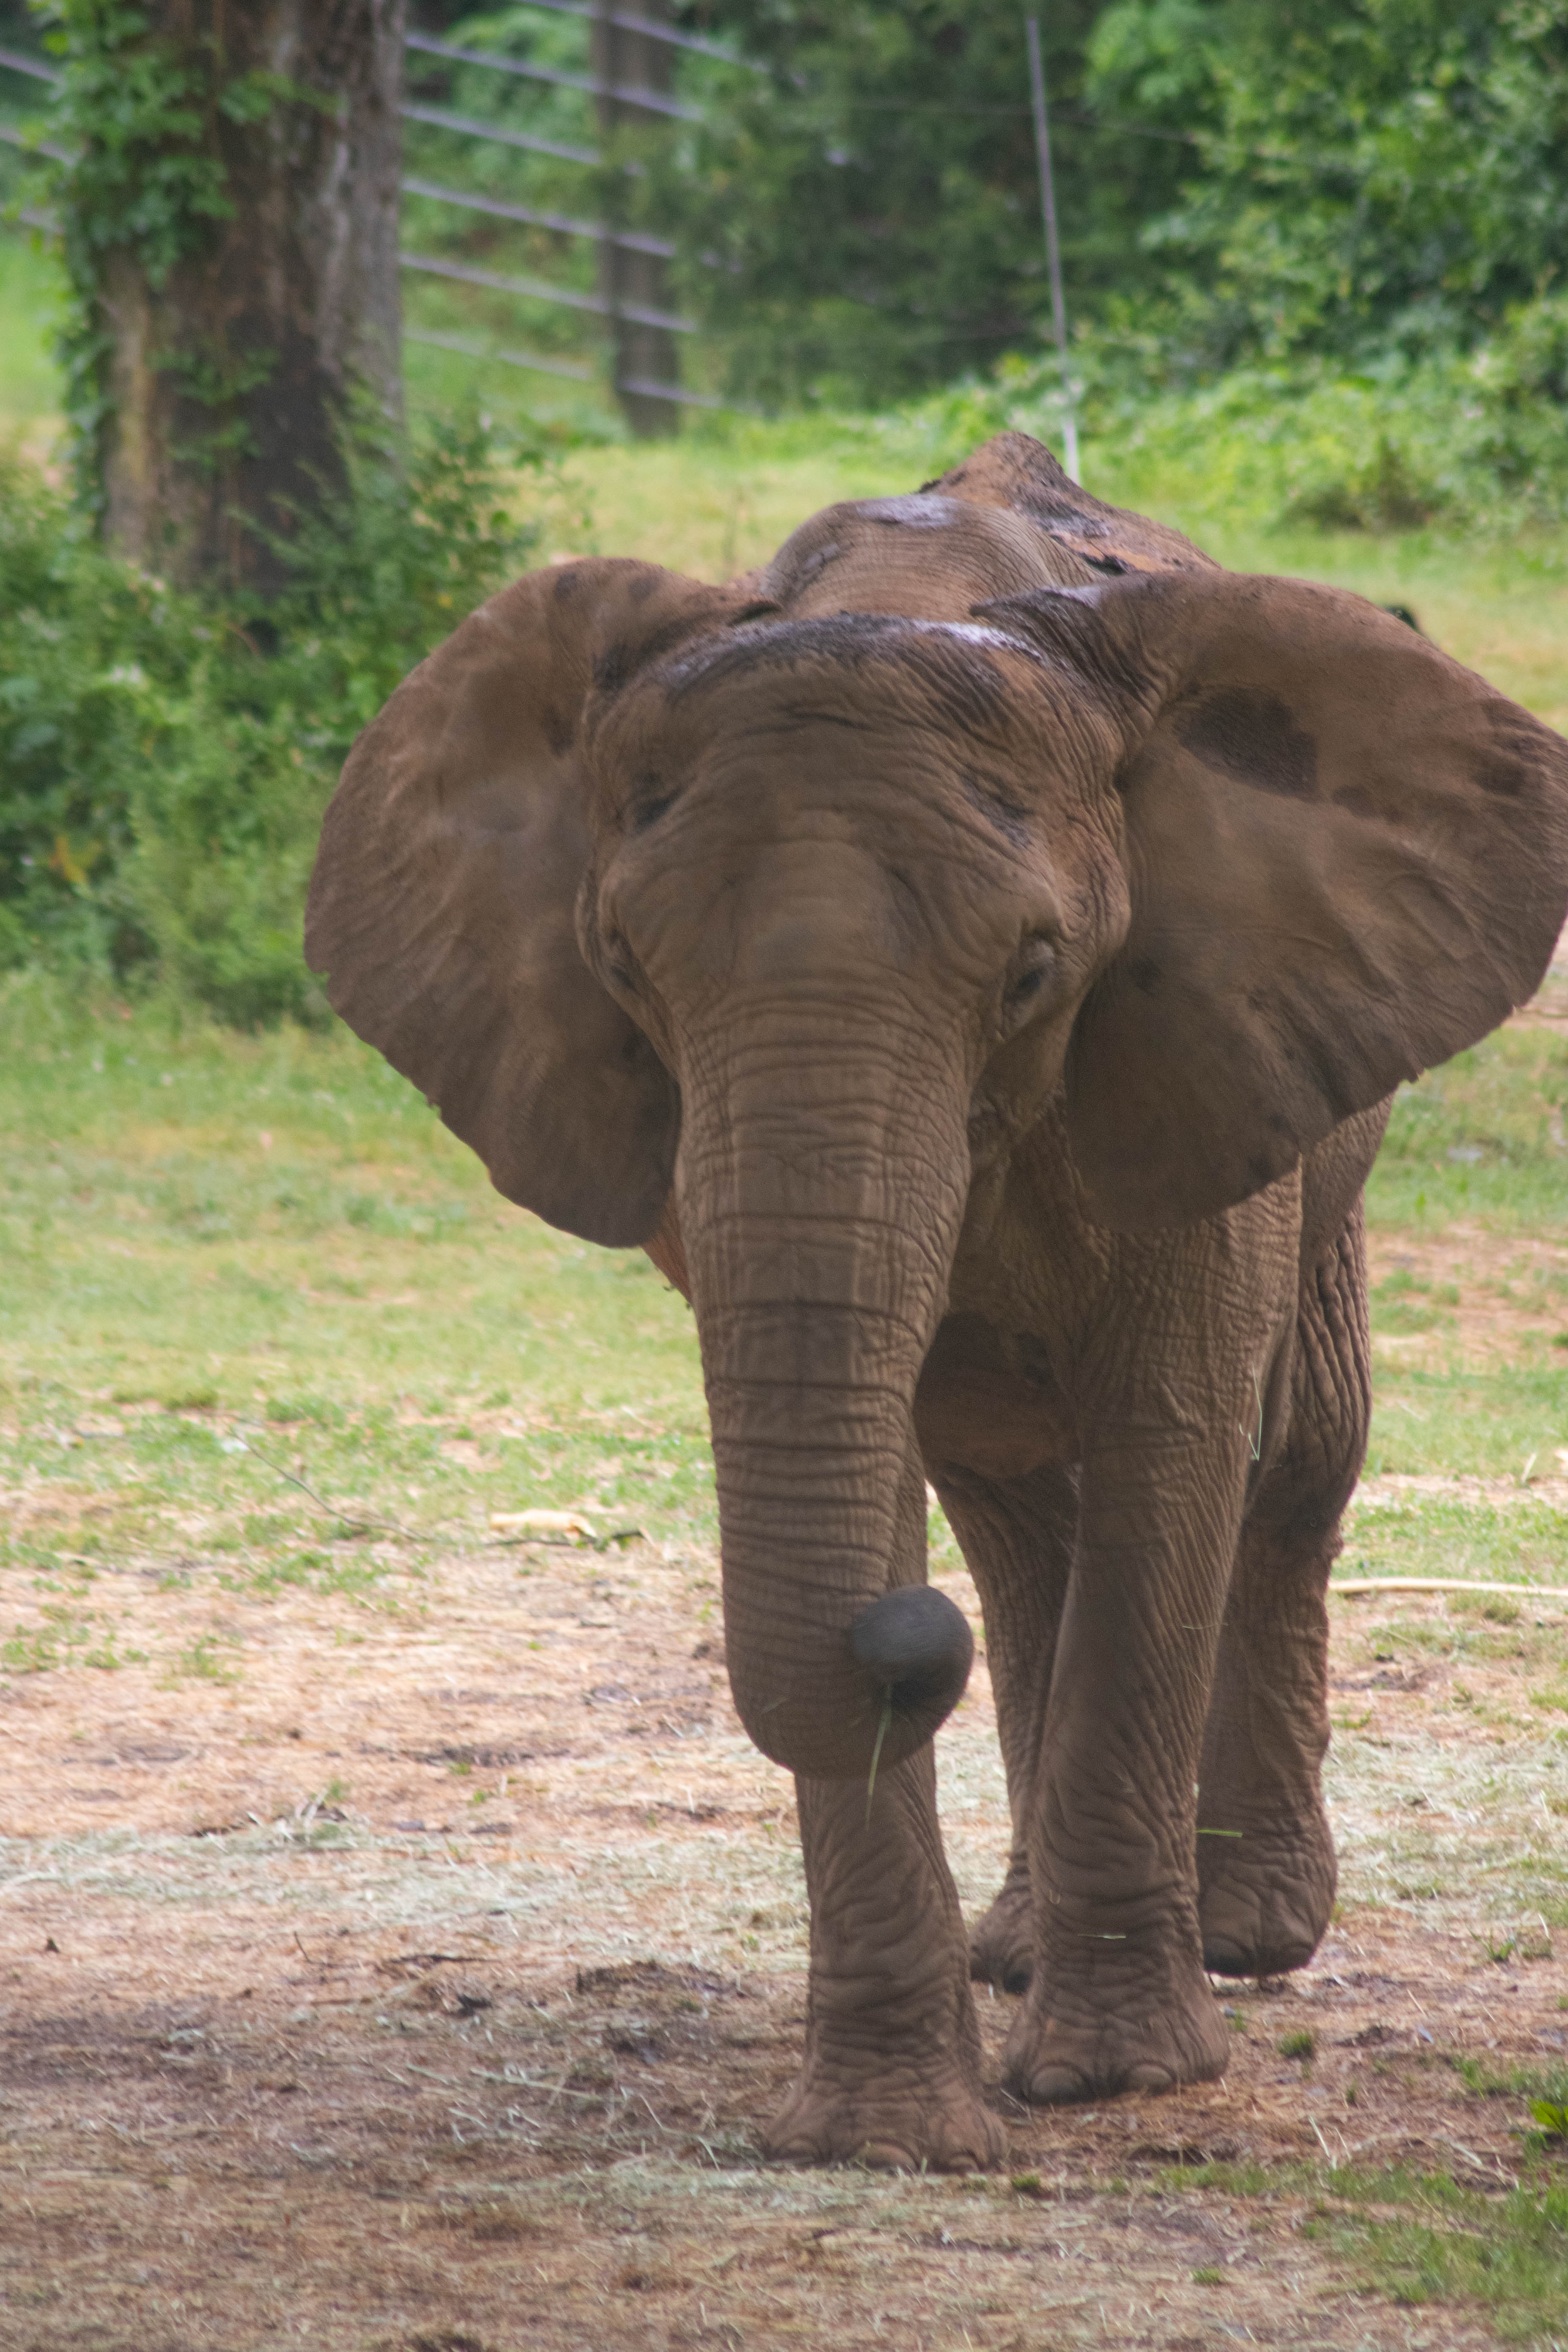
x,y
422,1989
1485,1298
1408,1487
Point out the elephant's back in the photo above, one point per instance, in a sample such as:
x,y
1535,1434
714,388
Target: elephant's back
x,y
929,559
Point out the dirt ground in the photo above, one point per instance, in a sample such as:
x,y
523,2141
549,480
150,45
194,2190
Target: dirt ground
x,y
413,1974
423,1987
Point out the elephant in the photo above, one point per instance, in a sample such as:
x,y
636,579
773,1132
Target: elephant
x,y
973,955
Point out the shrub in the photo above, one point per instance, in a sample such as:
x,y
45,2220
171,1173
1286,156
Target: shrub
x,y
1471,441
164,757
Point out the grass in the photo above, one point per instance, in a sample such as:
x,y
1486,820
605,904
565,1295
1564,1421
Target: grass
x,y
1436,1534
1468,1421
1507,2257
1490,2082
1482,1137
720,499
30,290
260,1304
168,1256
1419,2239
234,1265
267,1331
724,496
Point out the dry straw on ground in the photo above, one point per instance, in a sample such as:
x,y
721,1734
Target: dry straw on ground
x,y
424,1985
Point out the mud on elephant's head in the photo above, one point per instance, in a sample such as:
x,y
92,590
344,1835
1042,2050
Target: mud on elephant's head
x,y
751,921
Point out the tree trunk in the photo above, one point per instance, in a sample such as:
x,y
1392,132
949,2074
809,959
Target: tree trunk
x,y
226,372
643,354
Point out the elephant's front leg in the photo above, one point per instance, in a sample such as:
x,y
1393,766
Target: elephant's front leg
x,y
1119,2000
891,2070
891,2075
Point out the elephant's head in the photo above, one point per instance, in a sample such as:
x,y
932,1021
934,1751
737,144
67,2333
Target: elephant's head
x,y
786,903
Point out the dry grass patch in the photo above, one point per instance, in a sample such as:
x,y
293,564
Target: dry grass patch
x,y
429,1979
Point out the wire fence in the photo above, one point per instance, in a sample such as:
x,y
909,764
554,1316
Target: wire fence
x,y
638,327
631,298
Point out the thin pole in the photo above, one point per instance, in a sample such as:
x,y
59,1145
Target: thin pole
x,y
1053,245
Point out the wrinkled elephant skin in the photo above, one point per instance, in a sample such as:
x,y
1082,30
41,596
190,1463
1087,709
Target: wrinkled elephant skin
x,y
972,956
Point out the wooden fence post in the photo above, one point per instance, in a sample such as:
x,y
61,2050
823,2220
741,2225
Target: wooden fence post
x,y
625,59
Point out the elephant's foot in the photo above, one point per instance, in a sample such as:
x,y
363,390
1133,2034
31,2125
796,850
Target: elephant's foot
x,y
1002,1947
1113,2035
898,2120
891,2071
1265,1897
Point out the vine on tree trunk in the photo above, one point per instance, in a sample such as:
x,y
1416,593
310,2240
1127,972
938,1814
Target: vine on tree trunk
x,y
230,249
147,178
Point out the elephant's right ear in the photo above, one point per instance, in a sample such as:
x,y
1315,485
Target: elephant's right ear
x,y
442,905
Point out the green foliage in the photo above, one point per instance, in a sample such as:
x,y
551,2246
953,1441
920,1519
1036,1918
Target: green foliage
x,y
144,175
902,136
1471,440
1238,180
164,757
1362,187
1383,175
492,168
874,201
140,118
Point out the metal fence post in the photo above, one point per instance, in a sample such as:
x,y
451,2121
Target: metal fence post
x,y
1052,245
625,58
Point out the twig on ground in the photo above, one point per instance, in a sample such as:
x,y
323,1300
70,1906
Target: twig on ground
x,y
356,1525
1444,1584
566,1543
1481,2163
369,1526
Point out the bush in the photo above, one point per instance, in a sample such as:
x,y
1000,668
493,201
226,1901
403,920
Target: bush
x,y
1475,441
164,757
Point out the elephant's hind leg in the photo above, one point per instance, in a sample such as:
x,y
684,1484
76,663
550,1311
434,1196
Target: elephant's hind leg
x,y
1016,1536
1266,1855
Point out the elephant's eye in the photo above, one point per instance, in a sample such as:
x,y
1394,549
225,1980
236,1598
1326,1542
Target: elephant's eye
x,y
1037,964
648,808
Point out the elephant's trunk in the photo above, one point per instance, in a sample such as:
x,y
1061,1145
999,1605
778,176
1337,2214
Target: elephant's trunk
x,y
821,1190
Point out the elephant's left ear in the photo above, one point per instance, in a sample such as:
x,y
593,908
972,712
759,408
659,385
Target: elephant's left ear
x,y
1347,859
